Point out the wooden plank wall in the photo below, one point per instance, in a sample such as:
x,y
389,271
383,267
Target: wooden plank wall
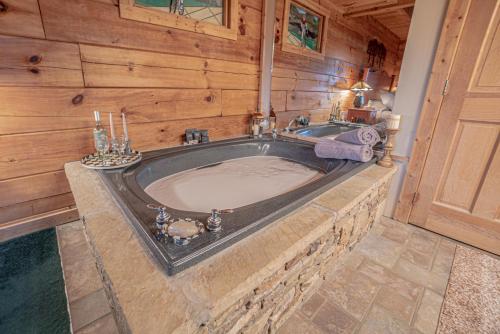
x,y
60,60
307,86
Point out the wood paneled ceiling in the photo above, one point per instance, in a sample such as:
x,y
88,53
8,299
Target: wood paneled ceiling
x,y
395,15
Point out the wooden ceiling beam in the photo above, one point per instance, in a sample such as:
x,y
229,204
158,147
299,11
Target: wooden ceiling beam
x,y
381,9
360,6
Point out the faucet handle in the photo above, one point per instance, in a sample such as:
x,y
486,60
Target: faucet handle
x,y
214,221
162,217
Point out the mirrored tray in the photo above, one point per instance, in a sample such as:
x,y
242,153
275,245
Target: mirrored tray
x,y
111,161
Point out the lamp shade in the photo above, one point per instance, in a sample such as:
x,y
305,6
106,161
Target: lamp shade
x,y
361,86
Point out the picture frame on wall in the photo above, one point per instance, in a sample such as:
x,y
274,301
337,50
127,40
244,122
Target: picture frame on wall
x,y
217,18
305,26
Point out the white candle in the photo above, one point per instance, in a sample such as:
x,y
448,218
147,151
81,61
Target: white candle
x,y
392,121
124,124
112,126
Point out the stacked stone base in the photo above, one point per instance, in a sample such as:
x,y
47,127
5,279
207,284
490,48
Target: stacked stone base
x,y
244,289
266,307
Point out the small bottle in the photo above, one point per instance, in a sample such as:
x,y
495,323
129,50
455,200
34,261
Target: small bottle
x,y
100,135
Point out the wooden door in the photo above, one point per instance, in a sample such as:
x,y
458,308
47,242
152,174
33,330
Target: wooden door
x,y
459,192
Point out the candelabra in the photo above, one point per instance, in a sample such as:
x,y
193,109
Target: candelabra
x,y
392,127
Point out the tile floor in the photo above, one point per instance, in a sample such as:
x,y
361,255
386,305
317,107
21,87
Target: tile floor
x,y
89,308
393,281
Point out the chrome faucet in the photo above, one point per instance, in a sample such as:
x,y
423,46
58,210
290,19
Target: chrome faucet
x,y
162,217
275,134
335,113
287,129
215,220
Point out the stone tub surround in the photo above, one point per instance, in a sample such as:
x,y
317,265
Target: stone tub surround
x,y
251,286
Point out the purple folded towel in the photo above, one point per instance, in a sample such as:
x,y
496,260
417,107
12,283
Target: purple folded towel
x,y
333,149
365,135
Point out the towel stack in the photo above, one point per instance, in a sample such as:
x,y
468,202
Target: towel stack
x,y
353,145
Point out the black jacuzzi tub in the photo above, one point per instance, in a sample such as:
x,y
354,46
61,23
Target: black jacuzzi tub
x,y
128,187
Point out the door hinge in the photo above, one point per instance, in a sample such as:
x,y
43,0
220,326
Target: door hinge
x,y
416,197
445,88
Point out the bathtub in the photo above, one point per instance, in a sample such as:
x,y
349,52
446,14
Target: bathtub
x,y
129,186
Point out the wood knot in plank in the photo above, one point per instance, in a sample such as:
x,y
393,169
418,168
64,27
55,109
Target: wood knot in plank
x,y
3,7
77,99
243,29
34,70
35,59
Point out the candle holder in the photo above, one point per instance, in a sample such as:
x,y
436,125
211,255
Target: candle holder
x,y
386,160
126,148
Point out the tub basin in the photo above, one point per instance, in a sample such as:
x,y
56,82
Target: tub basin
x,y
129,187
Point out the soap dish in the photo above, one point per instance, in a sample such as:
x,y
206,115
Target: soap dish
x,y
111,161
182,231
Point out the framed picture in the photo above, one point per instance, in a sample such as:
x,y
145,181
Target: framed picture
x,y
305,24
210,17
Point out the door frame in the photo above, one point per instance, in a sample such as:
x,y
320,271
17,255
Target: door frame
x,y
446,51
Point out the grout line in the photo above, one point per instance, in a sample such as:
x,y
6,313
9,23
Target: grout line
x,y
92,322
370,307
417,307
315,312
434,254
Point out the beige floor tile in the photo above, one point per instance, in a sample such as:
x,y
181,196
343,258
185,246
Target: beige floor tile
x,y
352,291
379,321
88,309
81,278
381,250
351,260
377,229
70,233
298,324
395,304
397,234
444,257
427,316
423,241
73,245
423,260
310,307
388,222
104,325
332,319
416,274
390,280
415,331
80,271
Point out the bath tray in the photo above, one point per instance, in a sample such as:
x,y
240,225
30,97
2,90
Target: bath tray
x,y
111,161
